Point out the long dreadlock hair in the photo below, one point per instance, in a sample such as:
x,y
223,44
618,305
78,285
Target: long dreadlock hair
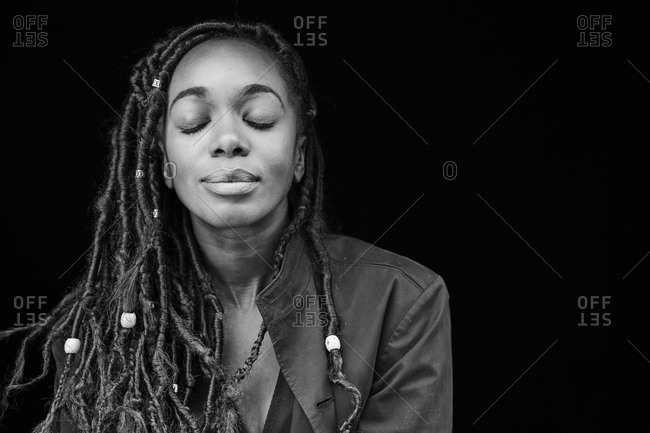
x,y
145,259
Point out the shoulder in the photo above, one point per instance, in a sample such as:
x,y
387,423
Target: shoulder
x,y
374,285
349,254
389,306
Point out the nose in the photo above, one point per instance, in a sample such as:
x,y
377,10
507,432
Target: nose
x,y
227,140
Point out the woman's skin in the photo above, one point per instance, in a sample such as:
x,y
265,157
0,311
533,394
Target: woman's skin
x,y
230,108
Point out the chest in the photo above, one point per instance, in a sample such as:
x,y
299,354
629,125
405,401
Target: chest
x,y
259,384
240,331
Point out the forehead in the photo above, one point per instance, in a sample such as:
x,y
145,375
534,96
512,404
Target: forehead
x,y
222,65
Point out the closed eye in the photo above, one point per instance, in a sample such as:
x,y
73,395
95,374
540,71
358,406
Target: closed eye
x,y
194,129
259,125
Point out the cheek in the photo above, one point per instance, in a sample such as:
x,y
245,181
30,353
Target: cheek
x,y
183,160
280,168
280,162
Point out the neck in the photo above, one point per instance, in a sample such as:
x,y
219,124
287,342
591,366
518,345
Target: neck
x,y
240,260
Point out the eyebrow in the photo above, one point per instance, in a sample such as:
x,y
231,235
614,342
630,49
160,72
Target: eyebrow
x,y
198,91
245,95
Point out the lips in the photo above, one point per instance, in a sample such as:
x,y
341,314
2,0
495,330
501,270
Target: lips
x,y
230,175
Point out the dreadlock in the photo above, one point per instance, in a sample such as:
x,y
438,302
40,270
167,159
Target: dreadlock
x,y
145,259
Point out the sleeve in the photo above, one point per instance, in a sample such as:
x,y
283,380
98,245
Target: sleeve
x,y
412,388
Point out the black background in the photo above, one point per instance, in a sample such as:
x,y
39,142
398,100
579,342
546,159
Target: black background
x,y
565,167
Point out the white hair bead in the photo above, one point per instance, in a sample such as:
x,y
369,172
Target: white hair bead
x,y
332,342
128,320
175,386
72,345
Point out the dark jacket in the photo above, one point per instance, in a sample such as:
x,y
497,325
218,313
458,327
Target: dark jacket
x,y
395,337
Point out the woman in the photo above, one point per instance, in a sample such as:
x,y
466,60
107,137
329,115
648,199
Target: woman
x,y
214,298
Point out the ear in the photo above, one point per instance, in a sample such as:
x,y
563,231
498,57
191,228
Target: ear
x,y
299,161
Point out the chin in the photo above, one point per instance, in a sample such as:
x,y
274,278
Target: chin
x,y
230,218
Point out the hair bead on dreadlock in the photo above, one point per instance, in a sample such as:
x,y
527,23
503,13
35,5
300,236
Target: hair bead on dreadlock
x,y
72,345
128,320
332,342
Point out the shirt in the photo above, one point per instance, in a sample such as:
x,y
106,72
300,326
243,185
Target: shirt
x,y
281,411
395,334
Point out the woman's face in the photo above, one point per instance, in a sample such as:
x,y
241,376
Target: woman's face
x,y
230,131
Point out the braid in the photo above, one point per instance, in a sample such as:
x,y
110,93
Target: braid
x,y
145,260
